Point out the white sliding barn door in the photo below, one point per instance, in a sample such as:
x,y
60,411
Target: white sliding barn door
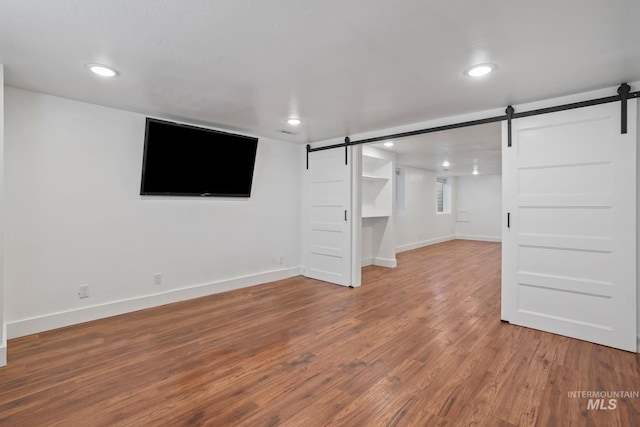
x,y
569,250
327,233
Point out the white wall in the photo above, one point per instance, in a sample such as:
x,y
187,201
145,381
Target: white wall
x,y
421,225
74,216
3,331
479,207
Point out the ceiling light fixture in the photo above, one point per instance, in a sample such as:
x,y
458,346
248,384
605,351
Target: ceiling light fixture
x,y
293,121
445,163
388,144
475,171
102,70
479,70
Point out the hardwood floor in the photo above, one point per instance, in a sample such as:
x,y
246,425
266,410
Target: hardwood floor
x,y
419,345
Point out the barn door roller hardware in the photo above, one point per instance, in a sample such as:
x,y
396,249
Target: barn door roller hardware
x,y
624,94
509,112
623,91
347,142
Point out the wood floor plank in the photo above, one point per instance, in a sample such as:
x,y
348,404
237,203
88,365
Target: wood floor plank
x,y
418,345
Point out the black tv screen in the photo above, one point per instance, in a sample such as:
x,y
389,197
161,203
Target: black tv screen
x,y
184,160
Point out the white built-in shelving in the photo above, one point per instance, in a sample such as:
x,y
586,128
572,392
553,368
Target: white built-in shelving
x,y
377,191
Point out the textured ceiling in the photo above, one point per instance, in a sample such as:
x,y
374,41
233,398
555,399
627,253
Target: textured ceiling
x,y
343,67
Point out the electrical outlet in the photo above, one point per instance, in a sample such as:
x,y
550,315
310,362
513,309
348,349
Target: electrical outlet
x,y
83,291
157,279
281,261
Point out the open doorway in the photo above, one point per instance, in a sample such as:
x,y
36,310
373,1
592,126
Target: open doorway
x,y
445,185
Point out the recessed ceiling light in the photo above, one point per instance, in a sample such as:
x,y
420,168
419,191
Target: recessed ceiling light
x,y
102,70
475,171
479,70
293,121
445,164
388,144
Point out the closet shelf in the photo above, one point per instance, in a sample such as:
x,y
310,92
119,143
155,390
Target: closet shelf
x,y
365,215
374,178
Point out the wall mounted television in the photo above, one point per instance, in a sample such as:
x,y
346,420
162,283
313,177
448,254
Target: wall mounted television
x,y
185,160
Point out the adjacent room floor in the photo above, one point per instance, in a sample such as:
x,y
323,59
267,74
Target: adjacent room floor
x,y
418,345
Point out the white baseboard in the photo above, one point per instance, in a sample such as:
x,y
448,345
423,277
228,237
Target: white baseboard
x,y
480,238
3,343
423,243
380,262
385,262
20,328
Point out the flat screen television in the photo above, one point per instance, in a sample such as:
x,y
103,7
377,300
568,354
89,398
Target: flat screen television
x,y
185,160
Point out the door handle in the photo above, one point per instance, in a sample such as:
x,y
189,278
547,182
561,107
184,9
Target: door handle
x,y
345,215
508,219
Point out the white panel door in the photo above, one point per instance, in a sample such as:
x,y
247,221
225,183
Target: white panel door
x,y
327,254
569,239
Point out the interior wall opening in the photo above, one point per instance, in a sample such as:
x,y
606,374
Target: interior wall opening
x,y
426,189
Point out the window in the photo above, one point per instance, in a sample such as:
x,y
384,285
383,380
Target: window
x,y
443,196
